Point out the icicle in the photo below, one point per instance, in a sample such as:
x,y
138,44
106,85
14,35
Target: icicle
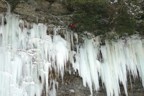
x,y
88,65
53,89
61,53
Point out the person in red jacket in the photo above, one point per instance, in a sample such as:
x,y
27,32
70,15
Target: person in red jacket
x,y
72,26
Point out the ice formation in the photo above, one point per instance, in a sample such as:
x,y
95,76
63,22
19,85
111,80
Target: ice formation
x,y
118,58
29,58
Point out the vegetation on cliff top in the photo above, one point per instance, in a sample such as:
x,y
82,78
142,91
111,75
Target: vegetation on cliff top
x,y
101,16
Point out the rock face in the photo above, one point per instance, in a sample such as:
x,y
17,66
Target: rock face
x,y
40,11
57,8
72,86
3,7
54,12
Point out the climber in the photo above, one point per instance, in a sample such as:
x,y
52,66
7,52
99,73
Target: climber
x,y
72,26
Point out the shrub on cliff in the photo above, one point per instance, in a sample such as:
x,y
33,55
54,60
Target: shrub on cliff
x,y
101,16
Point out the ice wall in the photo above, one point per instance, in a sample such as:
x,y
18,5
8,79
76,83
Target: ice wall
x,y
111,62
27,56
31,60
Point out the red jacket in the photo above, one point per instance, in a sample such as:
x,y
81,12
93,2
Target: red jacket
x,y
72,26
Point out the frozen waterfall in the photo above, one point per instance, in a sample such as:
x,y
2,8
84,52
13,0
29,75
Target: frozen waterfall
x,y
29,57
